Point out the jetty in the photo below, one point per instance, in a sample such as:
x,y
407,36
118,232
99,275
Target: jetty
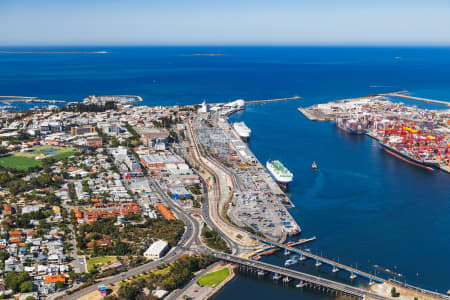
x,y
272,100
31,100
271,250
401,94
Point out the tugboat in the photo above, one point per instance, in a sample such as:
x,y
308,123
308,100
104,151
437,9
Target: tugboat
x,y
314,166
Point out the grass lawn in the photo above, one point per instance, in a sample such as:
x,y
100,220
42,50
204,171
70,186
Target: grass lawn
x,y
25,160
18,162
99,260
215,278
62,154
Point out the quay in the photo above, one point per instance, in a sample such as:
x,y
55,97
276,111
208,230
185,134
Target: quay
x,y
246,195
401,94
313,116
305,280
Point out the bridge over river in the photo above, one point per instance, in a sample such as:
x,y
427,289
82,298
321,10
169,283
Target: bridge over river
x,y
304,280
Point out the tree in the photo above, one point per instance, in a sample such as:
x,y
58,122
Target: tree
x,y
59,285
394,292
14,279
121,248
4,255
128,292
26,287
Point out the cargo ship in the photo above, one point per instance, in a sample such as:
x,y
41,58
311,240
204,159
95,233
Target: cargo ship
x,y
351,125
280,173
242,130
405,156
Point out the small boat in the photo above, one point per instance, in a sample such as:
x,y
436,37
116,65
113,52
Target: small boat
x,y
257,257
314,166
287,252
289,262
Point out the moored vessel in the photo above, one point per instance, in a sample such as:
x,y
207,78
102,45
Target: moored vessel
x,y
351,125
280,173
242,130
403,155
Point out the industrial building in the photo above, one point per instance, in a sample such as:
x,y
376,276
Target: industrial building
x,y
157,250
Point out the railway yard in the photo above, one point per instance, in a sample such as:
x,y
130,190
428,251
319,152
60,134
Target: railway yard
x,y
257,203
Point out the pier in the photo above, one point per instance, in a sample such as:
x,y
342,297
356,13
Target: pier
x,y
321,260
303,280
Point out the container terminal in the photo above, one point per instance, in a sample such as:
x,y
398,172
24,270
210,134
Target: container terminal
x,y
418,136
257,203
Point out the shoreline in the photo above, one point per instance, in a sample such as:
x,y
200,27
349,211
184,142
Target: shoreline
x,y
227,280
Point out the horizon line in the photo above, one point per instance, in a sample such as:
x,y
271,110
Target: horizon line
x,y
387,45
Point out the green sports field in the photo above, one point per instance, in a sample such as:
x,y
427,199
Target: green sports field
x,y
25,160
19,162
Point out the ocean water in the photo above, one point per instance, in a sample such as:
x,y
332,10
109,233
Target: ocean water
x,y
365,206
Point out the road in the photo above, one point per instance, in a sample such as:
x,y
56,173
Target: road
x,y
177,294
217,198
173,254
190,237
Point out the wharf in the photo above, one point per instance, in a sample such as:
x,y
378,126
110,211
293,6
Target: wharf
x,y
273,184
313,116
445,169
372,135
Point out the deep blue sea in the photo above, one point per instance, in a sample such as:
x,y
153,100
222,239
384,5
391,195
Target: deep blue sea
x,y
365,206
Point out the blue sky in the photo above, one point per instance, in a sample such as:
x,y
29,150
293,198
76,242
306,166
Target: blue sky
x,y
226,22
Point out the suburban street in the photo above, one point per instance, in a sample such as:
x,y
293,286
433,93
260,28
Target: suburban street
x,y
189,238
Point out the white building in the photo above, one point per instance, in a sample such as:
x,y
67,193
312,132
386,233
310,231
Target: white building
x,y
156,250
204,107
